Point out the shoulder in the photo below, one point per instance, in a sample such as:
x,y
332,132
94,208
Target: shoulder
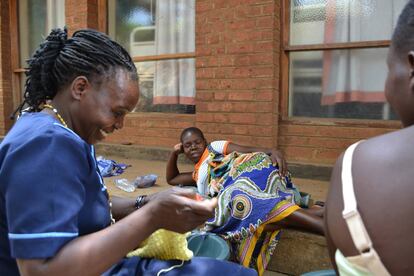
x,y
40,134
382,178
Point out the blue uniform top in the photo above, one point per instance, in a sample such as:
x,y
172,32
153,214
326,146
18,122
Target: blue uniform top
x,y
50,190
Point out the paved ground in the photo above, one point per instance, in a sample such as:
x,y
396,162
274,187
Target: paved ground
x,y
317,189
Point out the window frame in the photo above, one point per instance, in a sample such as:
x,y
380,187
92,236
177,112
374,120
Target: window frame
x,y
104,25
17,71
286,49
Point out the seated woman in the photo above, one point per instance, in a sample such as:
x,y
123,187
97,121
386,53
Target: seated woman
x,y
369,210
255,195
56,215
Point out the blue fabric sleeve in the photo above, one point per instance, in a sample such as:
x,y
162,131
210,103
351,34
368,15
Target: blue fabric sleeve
x,y
45,193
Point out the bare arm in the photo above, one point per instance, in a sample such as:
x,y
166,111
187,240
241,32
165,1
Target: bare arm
x,y
122,206
95,253
275,155
173,175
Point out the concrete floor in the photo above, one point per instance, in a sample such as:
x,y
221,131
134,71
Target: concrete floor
x,y
317,189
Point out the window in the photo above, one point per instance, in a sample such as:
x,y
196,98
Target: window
x,y
336,53
160,36
35,18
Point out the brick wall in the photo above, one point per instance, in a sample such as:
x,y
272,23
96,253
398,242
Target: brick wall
x,y
237,83
321,143
6,98
81,14
236,79
237,73
153,130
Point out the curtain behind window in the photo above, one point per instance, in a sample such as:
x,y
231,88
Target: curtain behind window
x,y
175,33
357,75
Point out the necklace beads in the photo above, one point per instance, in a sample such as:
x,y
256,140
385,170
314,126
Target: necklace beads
x,y
49,106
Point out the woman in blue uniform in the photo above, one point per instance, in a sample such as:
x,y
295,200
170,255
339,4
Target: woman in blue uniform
x,y
55,214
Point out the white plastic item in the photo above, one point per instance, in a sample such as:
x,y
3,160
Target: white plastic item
x,y
125,185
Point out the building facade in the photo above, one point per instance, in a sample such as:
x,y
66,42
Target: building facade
x,y
266,72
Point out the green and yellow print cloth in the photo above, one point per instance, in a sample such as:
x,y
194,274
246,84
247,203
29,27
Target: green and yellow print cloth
x,y
251,194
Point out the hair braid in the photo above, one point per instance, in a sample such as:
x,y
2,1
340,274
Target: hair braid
x,y
59,60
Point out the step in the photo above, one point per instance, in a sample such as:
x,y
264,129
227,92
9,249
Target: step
x,y
299,252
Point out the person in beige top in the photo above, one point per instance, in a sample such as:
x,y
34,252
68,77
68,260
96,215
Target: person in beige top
x,y
373,234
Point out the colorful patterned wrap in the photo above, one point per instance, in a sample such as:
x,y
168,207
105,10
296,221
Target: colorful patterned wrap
x,y
251,194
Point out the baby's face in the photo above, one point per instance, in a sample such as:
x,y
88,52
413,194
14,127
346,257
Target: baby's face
x,y
193,146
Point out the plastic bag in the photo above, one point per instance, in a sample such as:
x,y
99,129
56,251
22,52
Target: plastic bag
x,y
109,167
145,181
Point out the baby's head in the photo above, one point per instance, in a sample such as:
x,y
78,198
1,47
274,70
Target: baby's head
x,y
194,143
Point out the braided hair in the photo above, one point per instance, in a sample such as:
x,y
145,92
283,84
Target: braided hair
x,y
59,60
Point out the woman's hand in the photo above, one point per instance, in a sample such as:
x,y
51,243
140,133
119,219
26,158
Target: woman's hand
x,y
277,157
178,209
178,148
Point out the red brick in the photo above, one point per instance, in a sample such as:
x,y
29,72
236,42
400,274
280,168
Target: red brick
x,y
264,95
262,59
255,11
242,118
242,60
205,95
327,155
265,22
205,73
268,9
203,51
262,130
200,40
241,96
264,119
264,83
239,48
222,72
226,61
265,142
221,118
207,84
298,154
263,72
204,117
246,24
220,96
237,84
263,47
204,6
220,4
212,39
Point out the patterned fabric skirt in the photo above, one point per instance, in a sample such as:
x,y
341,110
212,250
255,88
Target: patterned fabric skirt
x,y
251,194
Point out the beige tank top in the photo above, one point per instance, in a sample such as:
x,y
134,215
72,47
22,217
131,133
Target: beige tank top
x,y
368,257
